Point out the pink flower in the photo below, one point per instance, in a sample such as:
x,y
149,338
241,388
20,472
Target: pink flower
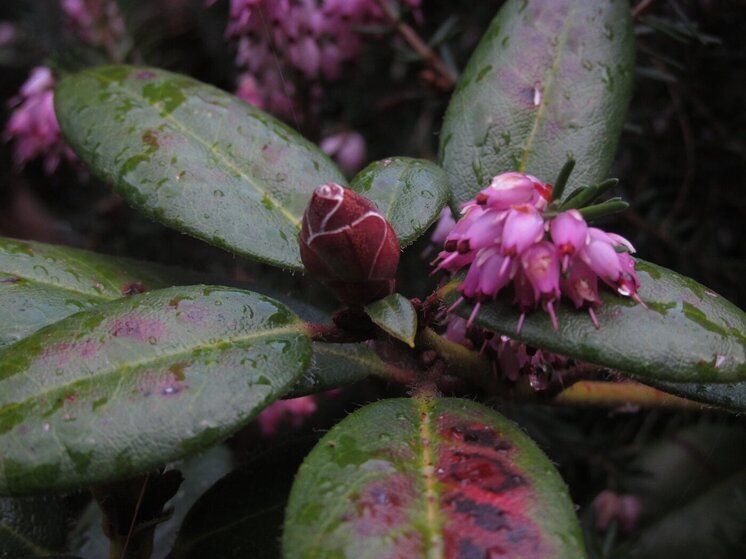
x,y
524,226
504,237
33,125
279,41
348,149
570,233
293,412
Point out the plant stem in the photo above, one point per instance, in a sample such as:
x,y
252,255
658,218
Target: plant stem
x,y
462,362
333,334
619,394
447,79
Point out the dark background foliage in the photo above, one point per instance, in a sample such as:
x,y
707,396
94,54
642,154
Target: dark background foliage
x,y
681,164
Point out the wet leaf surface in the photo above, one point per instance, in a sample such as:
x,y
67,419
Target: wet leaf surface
x,y
194,157
336,365
396,316
550,79
132,384
408,192
409,478
41,284
687,333
30,527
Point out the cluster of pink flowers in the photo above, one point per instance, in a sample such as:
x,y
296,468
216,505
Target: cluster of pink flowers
x,y
313,38
510,357
505,236
94,21
33,125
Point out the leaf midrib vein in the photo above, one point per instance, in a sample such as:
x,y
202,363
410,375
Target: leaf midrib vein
x,y
181,127
548,82
97,376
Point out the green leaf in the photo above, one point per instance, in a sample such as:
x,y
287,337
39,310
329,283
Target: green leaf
x,y
30,527
428,478
41,284
408,192
687,333
195,158
396,316
117,390
609,207
336,365
550,80
731,396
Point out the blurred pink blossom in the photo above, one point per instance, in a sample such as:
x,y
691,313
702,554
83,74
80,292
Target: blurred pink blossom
x,y
348,149
279,41
33,124
97,22
294,412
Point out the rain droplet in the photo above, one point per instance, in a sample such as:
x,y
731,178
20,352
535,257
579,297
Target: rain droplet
x,y
537,94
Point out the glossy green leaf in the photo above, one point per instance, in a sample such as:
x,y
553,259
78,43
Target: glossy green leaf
x,y
550,80
41,284
30,527
731,396
408,192
428,478
396,316
195,158
337,365
132,384
687,333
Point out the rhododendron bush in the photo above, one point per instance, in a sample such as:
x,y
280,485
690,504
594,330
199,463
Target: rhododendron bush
x,y
326,279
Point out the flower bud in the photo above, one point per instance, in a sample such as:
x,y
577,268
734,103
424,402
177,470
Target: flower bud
x,y
348,245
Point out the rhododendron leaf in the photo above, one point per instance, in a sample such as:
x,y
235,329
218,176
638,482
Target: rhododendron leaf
x,y
731,396
396,316
336,365
41,284
31,526
429,478
550,80
195,158
122,388
408,192
686,333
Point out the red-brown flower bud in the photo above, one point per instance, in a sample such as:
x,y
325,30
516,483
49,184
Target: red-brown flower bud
x,y
348,245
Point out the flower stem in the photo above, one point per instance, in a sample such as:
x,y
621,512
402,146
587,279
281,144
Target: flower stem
x,y
620,394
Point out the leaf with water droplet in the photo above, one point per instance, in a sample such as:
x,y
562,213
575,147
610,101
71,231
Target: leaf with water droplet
x,y
558,85
686,333
253,174
410,193
429,478
41,284
141,381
